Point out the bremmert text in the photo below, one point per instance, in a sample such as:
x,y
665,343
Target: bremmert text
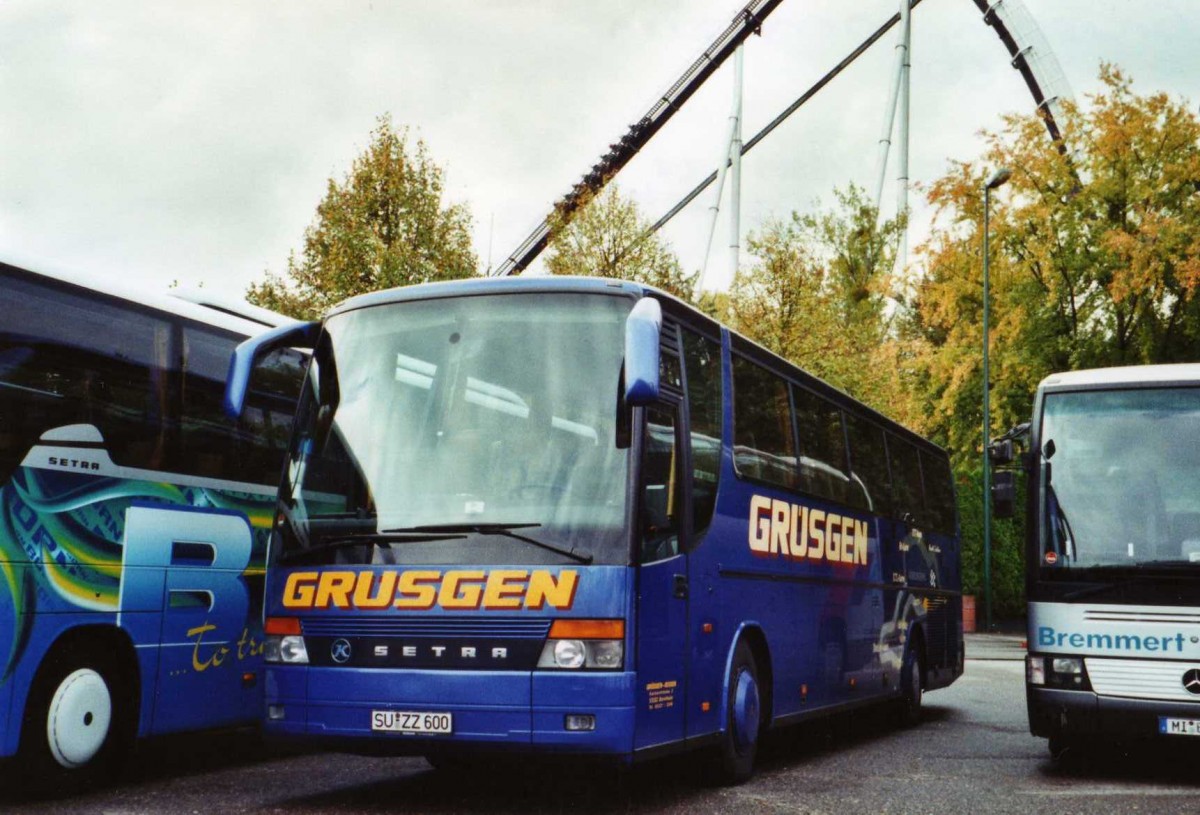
x,y
421,589
1050,638
797,532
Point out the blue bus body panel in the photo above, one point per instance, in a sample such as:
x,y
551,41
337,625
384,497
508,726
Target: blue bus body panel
x,y
835,595
521,708
93,550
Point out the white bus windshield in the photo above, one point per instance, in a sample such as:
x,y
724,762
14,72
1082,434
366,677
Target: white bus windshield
x,y
476,429
1123,467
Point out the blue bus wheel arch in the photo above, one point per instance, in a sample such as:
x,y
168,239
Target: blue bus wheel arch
x,y
93,653
746,708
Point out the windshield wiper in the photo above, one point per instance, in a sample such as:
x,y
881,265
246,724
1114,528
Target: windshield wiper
x,y
378,539
505,530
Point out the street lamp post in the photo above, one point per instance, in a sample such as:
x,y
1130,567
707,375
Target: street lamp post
x,y
998,178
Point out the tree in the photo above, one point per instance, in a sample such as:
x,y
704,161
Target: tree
x,y
1095,257
608,238
385,224
817,294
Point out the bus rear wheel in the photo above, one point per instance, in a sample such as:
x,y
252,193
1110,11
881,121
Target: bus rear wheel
x,y
912,684
77,721
739,745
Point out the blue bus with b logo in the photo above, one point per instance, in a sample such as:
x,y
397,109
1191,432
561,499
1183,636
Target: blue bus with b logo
x,y
134,518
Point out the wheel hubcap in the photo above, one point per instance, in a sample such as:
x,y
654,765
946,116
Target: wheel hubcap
x,y
79,716
745,711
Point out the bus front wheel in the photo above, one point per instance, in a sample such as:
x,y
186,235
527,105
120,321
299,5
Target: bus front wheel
x,y
76,723
743,718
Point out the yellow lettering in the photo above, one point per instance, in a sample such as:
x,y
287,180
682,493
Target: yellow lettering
x,y
760,524
545,588
334,588
504,588
849,541
799,527
218,655
780,522
461,590
860,550
298,591
833,537
382,598
413,589
816,533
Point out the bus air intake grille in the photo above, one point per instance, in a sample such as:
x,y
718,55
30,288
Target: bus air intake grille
x,y
479,627
1140,679
1174,616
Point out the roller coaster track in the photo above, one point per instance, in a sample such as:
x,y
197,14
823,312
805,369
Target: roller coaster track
x,y
1012,22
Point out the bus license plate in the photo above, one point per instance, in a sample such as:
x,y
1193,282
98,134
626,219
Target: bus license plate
x,y
408,721
1178,727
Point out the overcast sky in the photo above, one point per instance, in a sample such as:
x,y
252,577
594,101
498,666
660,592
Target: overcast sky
x,y
148,142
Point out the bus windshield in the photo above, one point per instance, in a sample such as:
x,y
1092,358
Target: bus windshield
x,y
1121,468
478,430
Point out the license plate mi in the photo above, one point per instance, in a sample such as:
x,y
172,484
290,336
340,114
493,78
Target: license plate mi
x,y
1178,727
410,721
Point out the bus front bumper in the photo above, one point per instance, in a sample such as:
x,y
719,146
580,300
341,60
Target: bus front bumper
x,y
333,707
1072,713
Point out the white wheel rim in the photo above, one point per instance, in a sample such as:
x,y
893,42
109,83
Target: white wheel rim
x,y
79,717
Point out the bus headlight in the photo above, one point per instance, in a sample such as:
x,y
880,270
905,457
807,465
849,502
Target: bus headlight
x,y
576,644
569,654
1067,673
283,641
1064,673
1067,665
289,650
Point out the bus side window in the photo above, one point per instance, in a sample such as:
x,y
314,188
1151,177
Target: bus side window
x,y
702,358
906,480
84,360
822,446
660,486
939,491
872,488
764,447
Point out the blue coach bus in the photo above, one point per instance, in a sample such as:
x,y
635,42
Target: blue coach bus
x,y
580,516
134,517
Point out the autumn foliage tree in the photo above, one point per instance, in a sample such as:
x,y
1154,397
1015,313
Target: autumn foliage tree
x,y
608,238
817,293
1095,257
384,224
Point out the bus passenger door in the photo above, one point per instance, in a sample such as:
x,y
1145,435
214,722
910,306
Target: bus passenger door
x,y
662,607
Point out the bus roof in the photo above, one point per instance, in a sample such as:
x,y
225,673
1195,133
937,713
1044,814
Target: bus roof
x,y
564,283
491,285
1130,376
228,313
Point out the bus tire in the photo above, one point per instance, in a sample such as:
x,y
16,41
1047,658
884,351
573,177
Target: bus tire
x,y
78,721
912,683
743,721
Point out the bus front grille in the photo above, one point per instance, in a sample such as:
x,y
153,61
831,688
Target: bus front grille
x,y
358,626
1141,679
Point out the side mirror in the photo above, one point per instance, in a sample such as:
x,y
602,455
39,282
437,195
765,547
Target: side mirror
x,y
1004,494
1000,452
249,352
642,329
